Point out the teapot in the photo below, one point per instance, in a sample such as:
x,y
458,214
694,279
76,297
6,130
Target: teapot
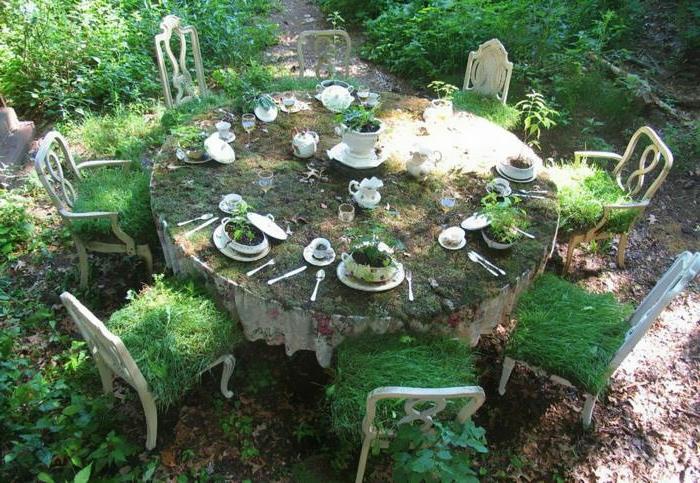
x,y
304,144
365,193
336,98
423,161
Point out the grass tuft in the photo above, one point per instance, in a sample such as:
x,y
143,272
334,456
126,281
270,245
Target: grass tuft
x,y
487,107
568,331
173,331
373,361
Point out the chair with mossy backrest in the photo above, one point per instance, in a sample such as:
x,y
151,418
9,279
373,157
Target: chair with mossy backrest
x,y
329,48
618,218
159,343
580,338
384,381
77,196
181,79
489,70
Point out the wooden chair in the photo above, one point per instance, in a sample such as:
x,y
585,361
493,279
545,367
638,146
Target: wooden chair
x,y
181,78
326,51
684,269
489,70
113,358
49,163
474,396
633,185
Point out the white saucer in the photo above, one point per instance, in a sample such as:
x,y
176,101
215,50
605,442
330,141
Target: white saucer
x,y
513,180
353,282
475,222
309,257
182,156
223,206
221,243
297,107
442,243
260,113
339,153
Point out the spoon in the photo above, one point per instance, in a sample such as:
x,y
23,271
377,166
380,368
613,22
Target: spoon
x,y
205,216
266,264
320,275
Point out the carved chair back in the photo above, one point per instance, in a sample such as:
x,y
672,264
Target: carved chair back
x,y
329,48
57,170
103,345
181,78
684,269
654,153
489,70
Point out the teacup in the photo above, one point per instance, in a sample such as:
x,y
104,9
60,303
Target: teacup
x,y
453,236
372,99
288,99
224,129
322,249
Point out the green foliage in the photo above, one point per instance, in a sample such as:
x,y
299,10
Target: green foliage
x,y
188,136
121,189
537,115
173,331
568,331
684,142
443,90
371,361
442,455
505,216
16,226
689,27
487,107
359,118
239,228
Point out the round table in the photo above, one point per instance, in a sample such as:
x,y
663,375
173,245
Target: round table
x,y
452,294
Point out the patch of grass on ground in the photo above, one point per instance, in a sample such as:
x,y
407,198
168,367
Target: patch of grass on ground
x,y
568,331
487,107
173,331
371,361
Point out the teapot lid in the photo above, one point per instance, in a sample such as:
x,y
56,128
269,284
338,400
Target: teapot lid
x,y
372,182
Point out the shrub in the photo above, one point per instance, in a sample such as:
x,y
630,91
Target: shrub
x,y
16,228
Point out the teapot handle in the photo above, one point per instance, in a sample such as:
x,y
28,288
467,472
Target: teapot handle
x,y
437,156
344,257
354,184
319,88
225,220
269,215
314,135
351,89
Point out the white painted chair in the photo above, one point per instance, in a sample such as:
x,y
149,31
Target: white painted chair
x,y
438,398
489,70
49,163
181,78
325,50
113,358
656,151
684,269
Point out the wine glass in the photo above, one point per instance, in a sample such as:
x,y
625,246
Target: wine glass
x,y
248,123
447,201
362,93
265,181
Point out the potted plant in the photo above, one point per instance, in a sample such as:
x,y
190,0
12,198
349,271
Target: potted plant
x,y
519,168
191,140
505,220
241,234
371,260
442,106
360,130
265,108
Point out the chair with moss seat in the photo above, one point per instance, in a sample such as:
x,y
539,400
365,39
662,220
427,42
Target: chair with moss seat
x,y
654,153
489,70
162,319
58,173
415,379
329,48
181,78
579,338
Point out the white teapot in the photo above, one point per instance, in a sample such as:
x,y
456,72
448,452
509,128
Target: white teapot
x,y
336,98
423,161
304,144
365,193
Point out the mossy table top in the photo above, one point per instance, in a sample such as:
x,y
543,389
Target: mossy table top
x,y
409,212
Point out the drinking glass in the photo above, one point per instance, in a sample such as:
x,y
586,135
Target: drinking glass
x,y
363,93
447,202
288,99
248,123
346,212
265,181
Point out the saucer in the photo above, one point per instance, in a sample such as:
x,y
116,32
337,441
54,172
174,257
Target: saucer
x,y
182,156
224,205
309,257
357,284
475,222
297,107
230,138
339,152
443,243
222,245
512,180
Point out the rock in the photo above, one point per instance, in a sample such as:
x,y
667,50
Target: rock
x,y
433,283
688,184
448,305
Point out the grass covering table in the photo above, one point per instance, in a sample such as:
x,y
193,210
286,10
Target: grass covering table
x,y
466,301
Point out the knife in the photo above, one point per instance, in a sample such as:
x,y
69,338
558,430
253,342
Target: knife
x,y
483,259
288,274
203,225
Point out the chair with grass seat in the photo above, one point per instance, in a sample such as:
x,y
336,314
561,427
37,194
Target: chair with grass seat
x,y
633,186
330,48
414,379
579,338
489,70
181,78
62,177
160,344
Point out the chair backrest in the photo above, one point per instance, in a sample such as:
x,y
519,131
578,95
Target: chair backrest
x,y
181,77
489,70
51,163
648,161
684,269
103,344
329,48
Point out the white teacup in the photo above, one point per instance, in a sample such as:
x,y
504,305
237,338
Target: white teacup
x,y
224,129
372,99
322,249
453,236
288,99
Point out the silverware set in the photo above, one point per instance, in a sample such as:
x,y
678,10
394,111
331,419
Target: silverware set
x,y
490,267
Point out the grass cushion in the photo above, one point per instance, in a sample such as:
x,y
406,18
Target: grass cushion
x,y
371,361
173,331
121,189
583,189
487,107
568,331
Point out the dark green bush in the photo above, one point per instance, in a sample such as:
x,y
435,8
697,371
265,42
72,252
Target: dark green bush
x,y
16,228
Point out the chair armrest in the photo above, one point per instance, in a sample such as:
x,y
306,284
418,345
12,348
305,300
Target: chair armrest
x,y
596,154
99,163
113,216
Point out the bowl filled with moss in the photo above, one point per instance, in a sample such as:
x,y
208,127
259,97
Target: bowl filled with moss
x,y
506,221
371,261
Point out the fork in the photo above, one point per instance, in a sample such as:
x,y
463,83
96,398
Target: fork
x,y
409,279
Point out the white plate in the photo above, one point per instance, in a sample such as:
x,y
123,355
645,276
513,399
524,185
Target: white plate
x,y
512,180
267,225
309,257
219,150
182,156
221,243
297,107
260,113
223,205
443,243
476,222
339,153
353,282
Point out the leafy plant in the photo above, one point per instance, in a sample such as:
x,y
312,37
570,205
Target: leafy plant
x,y
505,216
239,228
443,90
374,253
537,115
16,227
189,136
359,118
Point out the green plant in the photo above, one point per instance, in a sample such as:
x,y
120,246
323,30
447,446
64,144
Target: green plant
x,y
239,228
373,253
359,118
336,20
16,226
443,90
537,115
444,454
487,107
189,136
505,217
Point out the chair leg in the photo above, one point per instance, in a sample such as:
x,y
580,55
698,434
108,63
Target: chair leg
x,y
588,409
508,365
82,263
105,375
574,241
229,363
149,410
144,251
621,249
362,464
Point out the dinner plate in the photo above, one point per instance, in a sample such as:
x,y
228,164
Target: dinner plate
x,y
222,245
475,222
357,284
